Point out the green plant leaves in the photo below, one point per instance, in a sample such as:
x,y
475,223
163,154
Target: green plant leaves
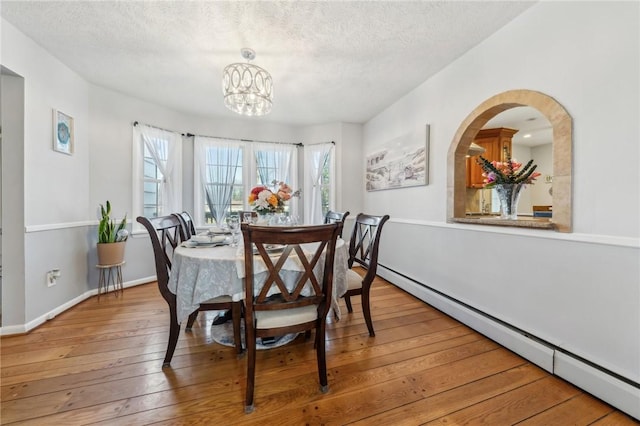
x,y
107,230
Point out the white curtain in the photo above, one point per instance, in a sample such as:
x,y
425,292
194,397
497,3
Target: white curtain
x,y
316,157
216,162
273,162
165,148
277,162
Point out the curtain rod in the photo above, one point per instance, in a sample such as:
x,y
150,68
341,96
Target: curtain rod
x,y
135,123
190,135
245,140
320,143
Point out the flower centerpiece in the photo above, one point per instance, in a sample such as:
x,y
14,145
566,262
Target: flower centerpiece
x,y
264,200
508,178
501,172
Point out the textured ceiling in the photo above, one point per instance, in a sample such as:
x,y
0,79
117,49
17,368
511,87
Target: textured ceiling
x,y
330,61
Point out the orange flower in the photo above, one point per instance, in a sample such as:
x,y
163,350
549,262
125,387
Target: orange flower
x,y
265,200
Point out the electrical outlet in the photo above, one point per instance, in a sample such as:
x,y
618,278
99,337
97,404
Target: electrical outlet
x,y
52,276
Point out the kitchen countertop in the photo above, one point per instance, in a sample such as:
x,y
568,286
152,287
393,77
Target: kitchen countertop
x,y
521,222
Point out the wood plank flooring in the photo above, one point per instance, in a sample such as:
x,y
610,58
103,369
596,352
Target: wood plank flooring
x,y
101,363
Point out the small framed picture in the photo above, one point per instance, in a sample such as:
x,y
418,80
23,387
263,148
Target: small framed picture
x,y
63,137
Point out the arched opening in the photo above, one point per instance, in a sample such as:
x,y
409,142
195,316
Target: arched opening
x,y
562,154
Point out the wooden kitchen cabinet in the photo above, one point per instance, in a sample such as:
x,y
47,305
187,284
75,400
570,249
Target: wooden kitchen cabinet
x,y
497,145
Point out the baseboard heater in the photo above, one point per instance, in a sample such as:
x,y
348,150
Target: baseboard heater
x,y
617,390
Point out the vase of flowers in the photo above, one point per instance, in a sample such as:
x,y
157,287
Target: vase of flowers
x,y
268,202
509,196
508,178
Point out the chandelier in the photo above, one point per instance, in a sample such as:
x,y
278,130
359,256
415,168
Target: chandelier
x,y
248,89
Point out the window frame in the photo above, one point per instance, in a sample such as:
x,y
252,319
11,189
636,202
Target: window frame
x,y
170,184
331,185
250,177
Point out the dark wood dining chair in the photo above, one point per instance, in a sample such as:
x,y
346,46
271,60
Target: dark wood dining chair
x,y
363,251
187,224
166,232
287,310
333,217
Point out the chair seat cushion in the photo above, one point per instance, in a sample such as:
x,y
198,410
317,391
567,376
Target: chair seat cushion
x,y
286,317
218,299
354,280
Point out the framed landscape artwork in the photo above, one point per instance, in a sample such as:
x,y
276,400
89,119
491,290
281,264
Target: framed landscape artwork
x,y
63,137
400,163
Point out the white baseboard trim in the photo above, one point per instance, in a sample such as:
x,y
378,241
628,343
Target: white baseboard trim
x,y
608,388
25,328
139,281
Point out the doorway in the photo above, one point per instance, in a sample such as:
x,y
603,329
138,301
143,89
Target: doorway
x,y
12,288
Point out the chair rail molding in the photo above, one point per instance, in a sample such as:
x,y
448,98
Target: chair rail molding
x,y
53,226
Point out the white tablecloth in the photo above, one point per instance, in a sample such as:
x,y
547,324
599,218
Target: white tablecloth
x,y
201,273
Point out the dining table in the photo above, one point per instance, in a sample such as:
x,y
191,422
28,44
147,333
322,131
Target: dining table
x,y
204,271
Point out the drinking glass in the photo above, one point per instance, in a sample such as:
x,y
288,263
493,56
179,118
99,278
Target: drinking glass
x,y
247,217
234,226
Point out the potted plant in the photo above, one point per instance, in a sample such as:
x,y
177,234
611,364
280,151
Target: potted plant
x,y
111,238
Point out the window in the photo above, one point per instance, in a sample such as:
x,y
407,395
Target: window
x,y
226,170
267,168
152,186
275,163
218,181
319,185
157,156
325,186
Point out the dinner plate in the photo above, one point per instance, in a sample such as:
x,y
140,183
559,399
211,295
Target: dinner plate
x,y
192,244
209,244
271,248
206,239
218,231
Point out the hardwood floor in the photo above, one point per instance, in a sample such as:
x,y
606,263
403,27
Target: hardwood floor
x,y
101,363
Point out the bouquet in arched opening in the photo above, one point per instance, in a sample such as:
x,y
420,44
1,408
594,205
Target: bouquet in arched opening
x,y
508,178
507,172
264,200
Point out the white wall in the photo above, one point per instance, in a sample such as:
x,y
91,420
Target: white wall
x,y
350,165
13,294
582,291
56,186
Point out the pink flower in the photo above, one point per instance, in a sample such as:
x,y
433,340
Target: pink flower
x,y
509,172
